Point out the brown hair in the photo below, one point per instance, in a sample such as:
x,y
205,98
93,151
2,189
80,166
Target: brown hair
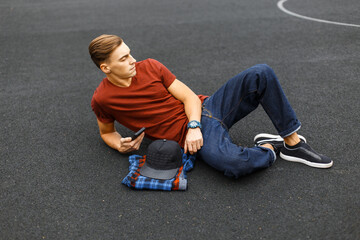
x,y
101,47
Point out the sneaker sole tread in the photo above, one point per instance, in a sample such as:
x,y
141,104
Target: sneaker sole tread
x,y
300,160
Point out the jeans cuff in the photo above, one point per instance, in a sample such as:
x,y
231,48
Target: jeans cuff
x,y
272,151
293,131
274,154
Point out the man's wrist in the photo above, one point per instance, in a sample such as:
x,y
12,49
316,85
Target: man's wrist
x,y
194,124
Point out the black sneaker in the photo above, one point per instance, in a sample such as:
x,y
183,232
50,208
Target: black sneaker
x,y
303,153
275,140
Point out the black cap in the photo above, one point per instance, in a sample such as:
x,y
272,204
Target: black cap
x,y
163,160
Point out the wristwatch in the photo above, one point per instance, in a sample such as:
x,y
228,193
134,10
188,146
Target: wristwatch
x,y
194,124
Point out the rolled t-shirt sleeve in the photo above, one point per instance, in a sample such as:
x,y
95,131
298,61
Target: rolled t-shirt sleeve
x,y
100,113
166,76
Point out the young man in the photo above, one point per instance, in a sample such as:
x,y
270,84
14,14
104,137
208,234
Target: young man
x,y
146,94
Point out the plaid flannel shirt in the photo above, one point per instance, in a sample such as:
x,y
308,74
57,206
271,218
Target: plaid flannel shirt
x,y
136,181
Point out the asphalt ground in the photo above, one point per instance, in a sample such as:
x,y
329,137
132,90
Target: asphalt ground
x,y
60,181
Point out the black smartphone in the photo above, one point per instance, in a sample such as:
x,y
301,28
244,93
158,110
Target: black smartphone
x,y
137,133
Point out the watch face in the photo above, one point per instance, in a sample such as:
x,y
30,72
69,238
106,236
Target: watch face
x,y
194,124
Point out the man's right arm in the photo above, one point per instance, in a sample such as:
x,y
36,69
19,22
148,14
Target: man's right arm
x,y
114,140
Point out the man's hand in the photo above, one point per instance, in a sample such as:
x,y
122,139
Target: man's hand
x,y
193,141
128,145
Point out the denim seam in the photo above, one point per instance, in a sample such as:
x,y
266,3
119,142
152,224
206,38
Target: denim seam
x,y
209,115
267,110
237,105
281,133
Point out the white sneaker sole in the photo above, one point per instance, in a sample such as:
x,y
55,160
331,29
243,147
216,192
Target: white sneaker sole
x,y
275,137
300,160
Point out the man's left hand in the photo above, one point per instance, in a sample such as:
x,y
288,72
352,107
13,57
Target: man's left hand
x,y
193,141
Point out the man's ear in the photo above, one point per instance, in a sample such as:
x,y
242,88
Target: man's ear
x,y
105,68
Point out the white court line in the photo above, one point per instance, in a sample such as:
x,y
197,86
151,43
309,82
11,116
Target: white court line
x,y
280,5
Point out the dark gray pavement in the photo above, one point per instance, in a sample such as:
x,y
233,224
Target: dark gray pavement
x,y
60,181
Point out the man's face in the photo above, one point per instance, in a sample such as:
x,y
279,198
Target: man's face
x,y
120,64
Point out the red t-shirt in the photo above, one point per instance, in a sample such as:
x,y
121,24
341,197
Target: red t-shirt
x,y
145,103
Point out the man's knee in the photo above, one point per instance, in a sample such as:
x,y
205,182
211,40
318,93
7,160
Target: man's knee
x,y
259,71
263,68
265,75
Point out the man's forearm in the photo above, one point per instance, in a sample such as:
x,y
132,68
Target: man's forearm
x,y
112,140
192,103
192,108
194,138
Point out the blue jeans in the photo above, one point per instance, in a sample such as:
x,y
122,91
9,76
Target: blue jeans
x,y
233,101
